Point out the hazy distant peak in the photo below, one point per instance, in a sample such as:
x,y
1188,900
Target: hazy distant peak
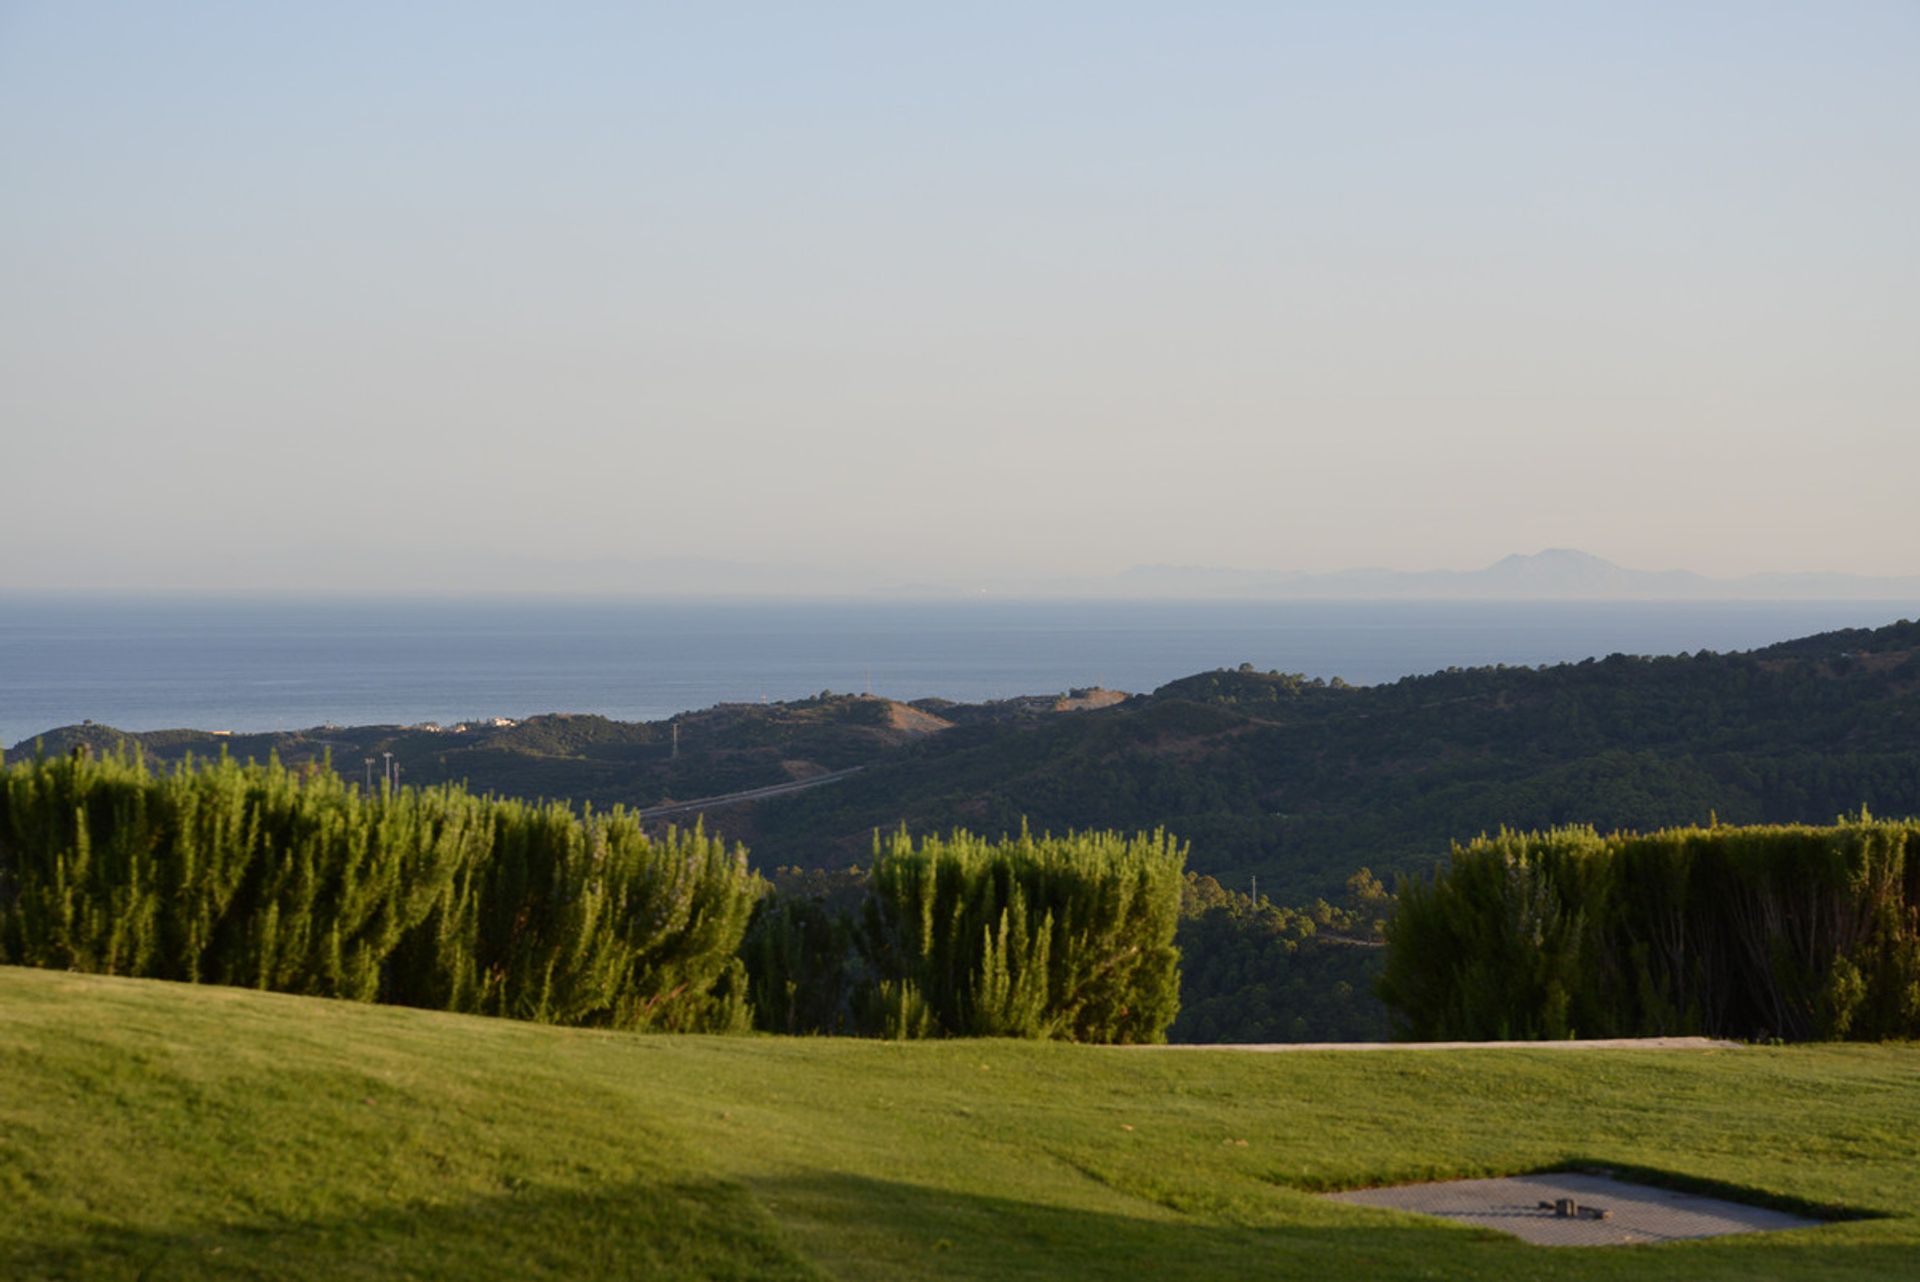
x,y
1555,571
1559,558
1565,574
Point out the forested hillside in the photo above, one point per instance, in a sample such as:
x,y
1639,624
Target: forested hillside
x,y
576,756
1299,782
1294,781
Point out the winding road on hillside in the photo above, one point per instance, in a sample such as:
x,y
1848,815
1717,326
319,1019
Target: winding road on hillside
x,y
749,794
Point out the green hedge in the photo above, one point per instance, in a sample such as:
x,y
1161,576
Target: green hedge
x,y
960,936
1799,933
258,876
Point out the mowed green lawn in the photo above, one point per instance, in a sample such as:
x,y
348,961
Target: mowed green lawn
x,y
153,1131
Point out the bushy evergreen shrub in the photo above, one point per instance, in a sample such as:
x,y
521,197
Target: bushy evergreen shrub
x,y
258,876
804,973
961,936
1756,932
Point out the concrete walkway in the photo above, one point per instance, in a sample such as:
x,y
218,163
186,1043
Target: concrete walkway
x,y
1591,1044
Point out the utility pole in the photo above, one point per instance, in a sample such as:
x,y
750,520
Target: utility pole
x,y
1256,890
369,761
386,770
676,741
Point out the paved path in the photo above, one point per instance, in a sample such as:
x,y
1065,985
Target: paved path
x,y
1523,1205
751,794
1592,1044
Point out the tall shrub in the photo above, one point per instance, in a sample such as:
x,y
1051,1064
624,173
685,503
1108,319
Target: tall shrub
x,y
1063,937
805,974
259,876
1795,932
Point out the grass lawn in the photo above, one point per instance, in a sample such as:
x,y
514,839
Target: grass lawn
x,y
153,1131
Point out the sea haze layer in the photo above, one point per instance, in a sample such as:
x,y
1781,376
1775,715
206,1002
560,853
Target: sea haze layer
x,y
148,664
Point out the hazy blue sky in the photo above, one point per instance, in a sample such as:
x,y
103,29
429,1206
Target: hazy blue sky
x,y
334,294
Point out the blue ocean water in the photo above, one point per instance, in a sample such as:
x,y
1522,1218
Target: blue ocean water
x,y
257,664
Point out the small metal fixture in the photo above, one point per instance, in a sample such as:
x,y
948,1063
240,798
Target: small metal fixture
x,y
1566,1208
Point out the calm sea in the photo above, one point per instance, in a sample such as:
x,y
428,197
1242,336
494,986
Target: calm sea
x,y
144,664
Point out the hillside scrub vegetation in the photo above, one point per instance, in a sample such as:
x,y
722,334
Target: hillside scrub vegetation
x,y
1792,932
1299,782
261,877
1255,971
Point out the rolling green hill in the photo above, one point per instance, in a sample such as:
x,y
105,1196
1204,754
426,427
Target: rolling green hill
x,y
157,1131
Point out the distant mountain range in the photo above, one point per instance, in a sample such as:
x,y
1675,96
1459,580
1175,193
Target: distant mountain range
x,y
1557,574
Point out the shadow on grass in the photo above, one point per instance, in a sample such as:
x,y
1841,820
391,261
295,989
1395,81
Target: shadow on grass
x,y
694,1230
819,1225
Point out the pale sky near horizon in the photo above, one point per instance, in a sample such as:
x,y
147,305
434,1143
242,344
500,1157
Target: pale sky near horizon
x,y
509,295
